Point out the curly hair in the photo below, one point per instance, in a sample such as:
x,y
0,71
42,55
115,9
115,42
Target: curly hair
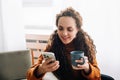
x,y
82,41
70,12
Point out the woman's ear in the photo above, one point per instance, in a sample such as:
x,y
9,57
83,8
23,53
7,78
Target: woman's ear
x,y
78,29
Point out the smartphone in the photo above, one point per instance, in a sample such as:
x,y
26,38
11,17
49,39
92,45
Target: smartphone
x,y
47,55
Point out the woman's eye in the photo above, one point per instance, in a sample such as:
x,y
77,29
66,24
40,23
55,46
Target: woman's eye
x,y
60,28
70,29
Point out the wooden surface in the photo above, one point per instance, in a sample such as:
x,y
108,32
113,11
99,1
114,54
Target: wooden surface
x,y
36,43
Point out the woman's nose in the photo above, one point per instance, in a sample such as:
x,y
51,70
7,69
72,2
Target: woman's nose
x,y
65,33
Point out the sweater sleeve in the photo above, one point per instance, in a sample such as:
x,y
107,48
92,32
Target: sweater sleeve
x,y
31,73
94,73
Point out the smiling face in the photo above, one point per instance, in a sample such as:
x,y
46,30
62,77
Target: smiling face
x,y
67,29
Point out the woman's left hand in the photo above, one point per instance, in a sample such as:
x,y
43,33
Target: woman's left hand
x,y
84,66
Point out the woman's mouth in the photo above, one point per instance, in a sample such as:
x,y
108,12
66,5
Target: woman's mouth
x,y
65,38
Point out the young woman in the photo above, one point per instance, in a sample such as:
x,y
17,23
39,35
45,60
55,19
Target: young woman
x,y
68,37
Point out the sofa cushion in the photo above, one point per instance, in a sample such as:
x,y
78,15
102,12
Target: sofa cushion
x,y
14,64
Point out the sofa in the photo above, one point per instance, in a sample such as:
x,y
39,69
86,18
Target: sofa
x,y
14,64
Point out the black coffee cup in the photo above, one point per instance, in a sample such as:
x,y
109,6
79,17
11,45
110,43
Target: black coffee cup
x,y
77,55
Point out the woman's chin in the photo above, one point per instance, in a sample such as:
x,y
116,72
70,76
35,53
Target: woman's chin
x,y
65,42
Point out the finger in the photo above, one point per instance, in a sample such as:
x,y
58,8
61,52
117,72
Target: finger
x,y
80,66
53,64
86,59
80,60
55,67
77,68
47,61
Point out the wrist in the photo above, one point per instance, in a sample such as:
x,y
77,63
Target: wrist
x,y
41,70
87,69
38,72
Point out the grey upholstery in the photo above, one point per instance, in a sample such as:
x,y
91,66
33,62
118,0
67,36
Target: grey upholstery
x,y
14,64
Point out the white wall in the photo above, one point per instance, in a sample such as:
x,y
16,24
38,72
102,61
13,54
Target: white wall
x,y
39,20
13,29
1,30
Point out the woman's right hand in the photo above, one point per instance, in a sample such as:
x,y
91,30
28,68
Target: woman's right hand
x,y
48,65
